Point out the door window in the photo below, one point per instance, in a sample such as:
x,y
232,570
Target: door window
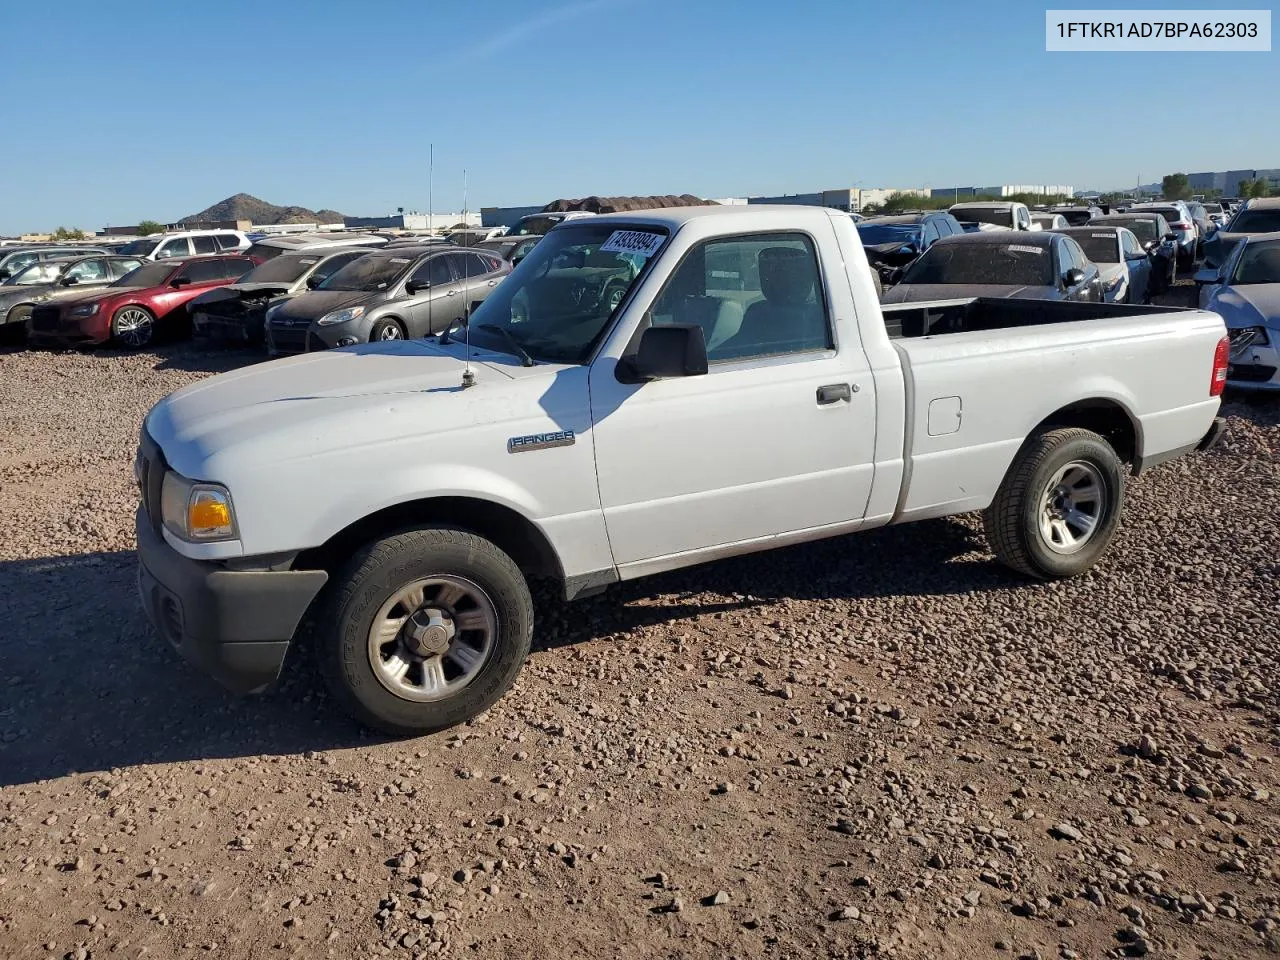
x,y
435,272
234,269
474,265
333,265
174,248
204,245
228,241
205,271
1129,244
120,267
753,296
930,232
88,271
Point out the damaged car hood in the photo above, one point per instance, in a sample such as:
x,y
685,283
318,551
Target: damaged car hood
x,y
1248,305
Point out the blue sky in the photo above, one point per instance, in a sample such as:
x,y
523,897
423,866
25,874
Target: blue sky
x,y
116,113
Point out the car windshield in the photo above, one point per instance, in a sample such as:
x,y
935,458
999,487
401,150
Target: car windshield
x,y
533,225
1255,221
1076,218
147,275
557,303
280,270
1259,263
1213,208
873,234
46,272
1172,214
139,248
1000,216
264,251
369,273
1014,264
1100,247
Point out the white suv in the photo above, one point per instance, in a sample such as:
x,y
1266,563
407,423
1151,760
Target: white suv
x,y
186,243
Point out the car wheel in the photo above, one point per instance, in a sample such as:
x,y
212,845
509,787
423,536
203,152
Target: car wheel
x,y
386,330
1059,505
424,629
133,326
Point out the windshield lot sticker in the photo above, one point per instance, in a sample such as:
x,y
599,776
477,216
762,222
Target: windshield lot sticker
x,y
1103,236
399,260
1019,248
633,241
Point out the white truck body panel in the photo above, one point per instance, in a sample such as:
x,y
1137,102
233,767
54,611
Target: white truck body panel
x,y
672,472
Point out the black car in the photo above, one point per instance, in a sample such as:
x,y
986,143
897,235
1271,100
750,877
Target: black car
x,y
239,311
1037,265
893,242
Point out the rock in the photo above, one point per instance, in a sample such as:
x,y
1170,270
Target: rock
x,y
717,899
846,913
1064,831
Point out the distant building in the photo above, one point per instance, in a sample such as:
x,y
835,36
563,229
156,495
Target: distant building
x,y
506,216
414,221
849,199
957,194
1228,181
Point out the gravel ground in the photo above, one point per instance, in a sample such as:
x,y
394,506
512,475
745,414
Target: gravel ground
x,y
878,746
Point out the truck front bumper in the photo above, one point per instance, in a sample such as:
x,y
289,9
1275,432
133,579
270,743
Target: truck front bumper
x,y
235,625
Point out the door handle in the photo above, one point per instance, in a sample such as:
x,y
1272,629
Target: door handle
x,y
452,293
493,283
833,392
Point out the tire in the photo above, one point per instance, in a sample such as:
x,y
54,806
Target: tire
x,y
1020,524
386,330
443,562
133,326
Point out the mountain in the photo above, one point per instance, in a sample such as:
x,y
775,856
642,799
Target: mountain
x,y
244,207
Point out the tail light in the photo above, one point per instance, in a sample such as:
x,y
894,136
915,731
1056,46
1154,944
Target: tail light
x,y
1221,356
1181,225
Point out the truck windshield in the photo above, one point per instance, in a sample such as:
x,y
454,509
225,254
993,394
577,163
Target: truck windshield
x,y
1000,216
1259,263
1012,264
557,303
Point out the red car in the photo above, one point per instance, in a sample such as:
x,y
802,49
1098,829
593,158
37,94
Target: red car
x,y
128,311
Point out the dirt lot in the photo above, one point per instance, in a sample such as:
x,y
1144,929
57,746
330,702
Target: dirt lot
x,y
879,746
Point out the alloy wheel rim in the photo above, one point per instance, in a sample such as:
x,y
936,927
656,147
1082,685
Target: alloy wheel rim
x,y
1072,507
432,637
389,332
133,326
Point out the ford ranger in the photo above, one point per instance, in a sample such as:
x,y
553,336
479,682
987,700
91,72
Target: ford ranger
x,y
742,390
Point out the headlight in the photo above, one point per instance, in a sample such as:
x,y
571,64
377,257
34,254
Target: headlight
x,y
341,316
196,511
83,310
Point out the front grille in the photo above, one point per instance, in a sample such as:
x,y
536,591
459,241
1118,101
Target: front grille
x,y
1250,373
288,339
46,318
152,469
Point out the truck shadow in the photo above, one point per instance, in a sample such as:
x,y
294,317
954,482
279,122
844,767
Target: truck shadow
x,y
89,686
195,356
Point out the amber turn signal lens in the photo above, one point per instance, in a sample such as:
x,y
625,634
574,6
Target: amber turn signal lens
x,y
207,514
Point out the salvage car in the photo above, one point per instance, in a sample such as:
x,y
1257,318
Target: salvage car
x,y
1181,225
1124,269
238,311
510,249
1000,215
387,294
50,280
187,243
128,311
1160,242
1245,292
268,248
891,243
15,259
746,392
1039,266
1255,216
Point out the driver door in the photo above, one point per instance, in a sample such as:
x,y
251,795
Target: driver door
x,y
428,309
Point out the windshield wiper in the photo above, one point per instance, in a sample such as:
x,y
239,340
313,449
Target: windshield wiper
x,y
525,359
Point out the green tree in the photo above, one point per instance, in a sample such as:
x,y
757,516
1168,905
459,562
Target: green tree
x,y
1260,188
75,233
1176,186
147,227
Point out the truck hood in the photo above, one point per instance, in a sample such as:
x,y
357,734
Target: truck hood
x,y
915,292
307,406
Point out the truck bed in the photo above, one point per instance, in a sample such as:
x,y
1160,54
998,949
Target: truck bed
x,y
936,317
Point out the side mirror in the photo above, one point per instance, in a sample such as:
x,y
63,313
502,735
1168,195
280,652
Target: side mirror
x,y
1206,276
70,281
1073,277
416,286
179,282
313,281
678,350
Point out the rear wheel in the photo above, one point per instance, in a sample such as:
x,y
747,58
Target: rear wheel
x,y
386,330
1059,505
133,326
424,629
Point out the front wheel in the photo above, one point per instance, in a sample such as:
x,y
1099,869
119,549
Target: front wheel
x,y
424,629
133,326
386,330
1059,505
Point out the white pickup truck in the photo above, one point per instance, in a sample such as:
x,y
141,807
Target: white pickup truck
x,y
744,391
